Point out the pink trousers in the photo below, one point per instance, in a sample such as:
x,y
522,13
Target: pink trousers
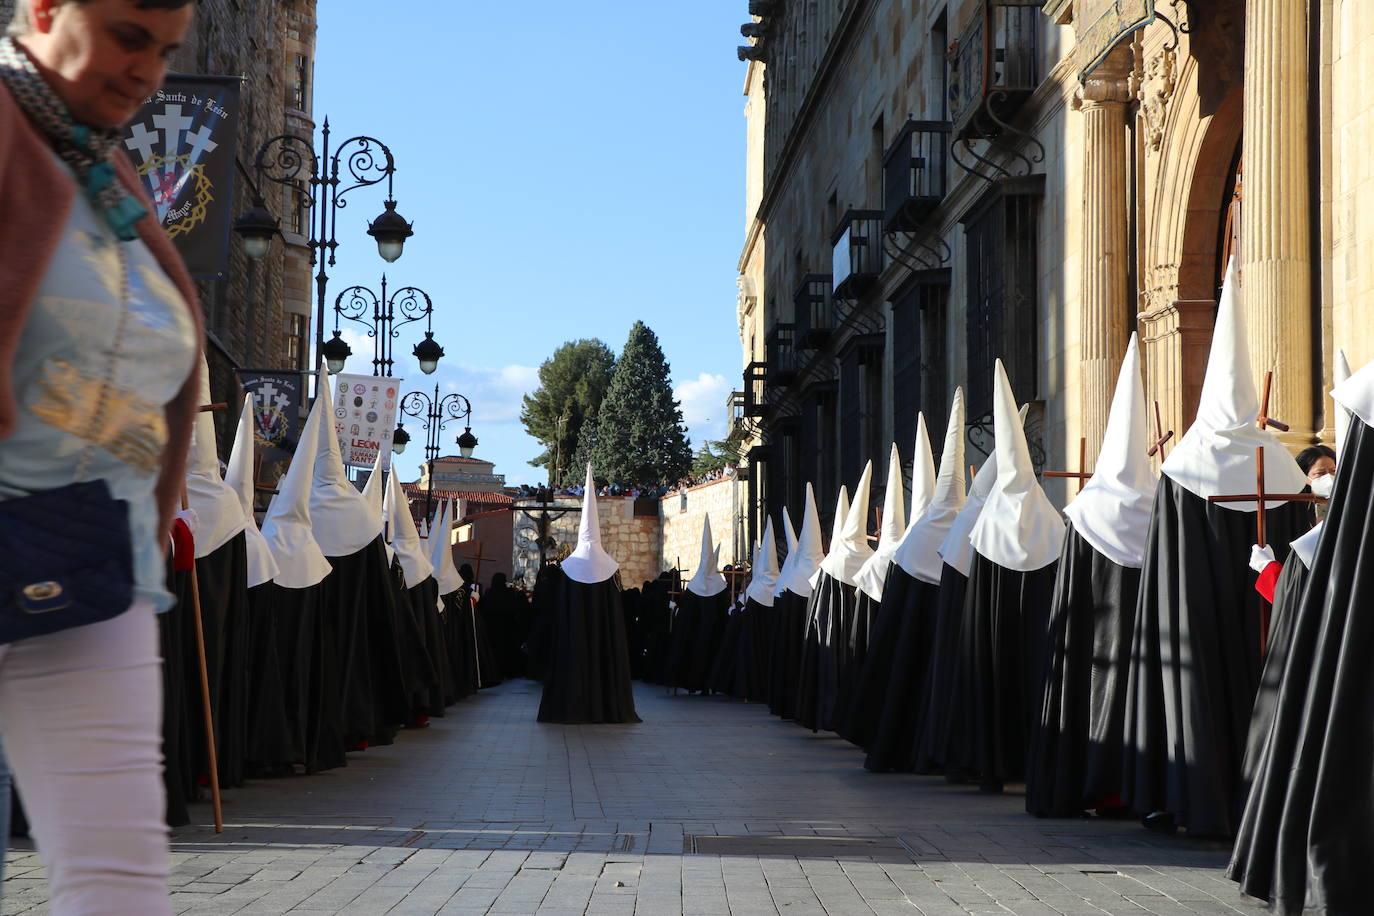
x,y
81,719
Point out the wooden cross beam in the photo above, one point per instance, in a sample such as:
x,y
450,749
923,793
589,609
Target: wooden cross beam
x,y
1083,475
1266,421
1263,499
1161,436
477,573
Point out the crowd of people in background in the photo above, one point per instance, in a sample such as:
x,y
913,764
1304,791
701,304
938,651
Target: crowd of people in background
x,y
632,491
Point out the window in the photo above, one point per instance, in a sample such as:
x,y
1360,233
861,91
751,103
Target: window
x,y
300,90
939,68
919,380
298,210
295,340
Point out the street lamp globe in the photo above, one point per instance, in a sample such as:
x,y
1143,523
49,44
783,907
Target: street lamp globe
x,y
400,439
428,353
336,352
466,442
391,231
256,227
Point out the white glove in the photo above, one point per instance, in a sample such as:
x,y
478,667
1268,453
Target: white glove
x,y
191,518
1260,557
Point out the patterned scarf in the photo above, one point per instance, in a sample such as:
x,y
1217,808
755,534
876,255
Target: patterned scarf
x,y
85,149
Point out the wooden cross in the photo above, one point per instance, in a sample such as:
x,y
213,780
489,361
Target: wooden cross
x,y
1161,436
207,710
1263,499
477,573
877,525
1083,475
1266,421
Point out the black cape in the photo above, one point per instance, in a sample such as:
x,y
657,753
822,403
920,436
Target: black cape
x,y
505,614
1307,836
307,640
751,665
177,641
419,669
698,628
655,625
825,652
460,639
854,634
1000,667
885,711
1287,594
272,747
223,579
939,697
785,651
423,600
1195,658
1080,717
725,667
589,678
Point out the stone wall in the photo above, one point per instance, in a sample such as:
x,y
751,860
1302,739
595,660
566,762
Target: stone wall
x,y
633,540
682,515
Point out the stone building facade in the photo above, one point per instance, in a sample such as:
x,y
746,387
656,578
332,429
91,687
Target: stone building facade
x,y
945,184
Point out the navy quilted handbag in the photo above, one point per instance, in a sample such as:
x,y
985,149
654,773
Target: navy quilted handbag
x,y
65,560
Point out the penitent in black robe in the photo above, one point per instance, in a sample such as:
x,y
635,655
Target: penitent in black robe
x,y
1079,718
939,701
307,636
826,657
589,678
272,748
697,631
1306,840
179,702
1001,666
854,635
885,711
784,665
419,672
1195,658
1287,594
223,579
423,600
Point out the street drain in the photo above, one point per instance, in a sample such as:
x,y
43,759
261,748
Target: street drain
x,y
801,847
624,842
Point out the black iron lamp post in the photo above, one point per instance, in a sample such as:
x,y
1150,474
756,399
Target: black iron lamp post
x,y
409,303
324,180
434,413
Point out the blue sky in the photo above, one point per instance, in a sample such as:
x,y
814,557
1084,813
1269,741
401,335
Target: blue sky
x,y
569,168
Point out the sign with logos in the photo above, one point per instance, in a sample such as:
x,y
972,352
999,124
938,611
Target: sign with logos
x,y
365,417
182,143
1102,24
276,410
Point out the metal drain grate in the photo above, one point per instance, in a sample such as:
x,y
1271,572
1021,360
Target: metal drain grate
x,y
801,847
624,842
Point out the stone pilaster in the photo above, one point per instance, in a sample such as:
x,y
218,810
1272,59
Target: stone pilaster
x,y
1275,259
1102,293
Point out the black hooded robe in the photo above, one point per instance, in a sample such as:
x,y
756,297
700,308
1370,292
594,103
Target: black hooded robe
x,y
272,748
1306,840
424,606
825,652
697,632
939,701
1195,658
589,678
789,625
307,640
1079,718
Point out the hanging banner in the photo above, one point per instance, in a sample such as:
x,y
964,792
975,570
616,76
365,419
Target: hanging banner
x,y
182,142
277,397
365,417
1103,24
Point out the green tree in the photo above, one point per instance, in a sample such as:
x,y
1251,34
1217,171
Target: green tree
x,y
586,440
714,455
640,438
572,383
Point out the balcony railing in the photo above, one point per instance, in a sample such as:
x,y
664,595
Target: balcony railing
x,y
995,66
914,174
782,356
857,257
814,311
755,382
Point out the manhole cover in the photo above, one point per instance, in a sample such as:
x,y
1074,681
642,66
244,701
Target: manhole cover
x,y
802,847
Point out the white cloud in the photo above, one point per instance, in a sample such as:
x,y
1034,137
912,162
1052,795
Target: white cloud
x,y
703,405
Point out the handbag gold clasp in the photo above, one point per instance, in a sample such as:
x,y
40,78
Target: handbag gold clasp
x,y
42,591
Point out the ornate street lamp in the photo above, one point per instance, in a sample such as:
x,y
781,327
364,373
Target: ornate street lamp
x,y
434,413
409,303
400,439
324,180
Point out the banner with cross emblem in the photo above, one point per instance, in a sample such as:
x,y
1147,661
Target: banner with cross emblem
x,y
277,396
182,142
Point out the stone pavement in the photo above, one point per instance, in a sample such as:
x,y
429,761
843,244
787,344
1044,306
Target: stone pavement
x,y
711,806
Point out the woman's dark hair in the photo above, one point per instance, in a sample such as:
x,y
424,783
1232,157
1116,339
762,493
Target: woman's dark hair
x,y
1308,456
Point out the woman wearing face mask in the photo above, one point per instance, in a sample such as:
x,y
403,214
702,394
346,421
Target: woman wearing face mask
x,y
1318,462
98,336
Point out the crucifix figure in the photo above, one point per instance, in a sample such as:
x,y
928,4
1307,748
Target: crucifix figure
x,y
1161,436
543,518
1083,475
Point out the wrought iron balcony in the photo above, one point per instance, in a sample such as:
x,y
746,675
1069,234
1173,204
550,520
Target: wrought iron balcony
x,y
914,174
858,252
782,356
755,382
994,67
814,311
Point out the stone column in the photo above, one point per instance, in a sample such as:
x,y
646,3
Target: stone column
x,y
1102,292
1275,260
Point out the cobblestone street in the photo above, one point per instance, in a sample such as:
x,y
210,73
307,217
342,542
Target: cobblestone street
x,y
710,806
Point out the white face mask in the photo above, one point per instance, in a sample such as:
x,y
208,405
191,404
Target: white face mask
x,y
1323,485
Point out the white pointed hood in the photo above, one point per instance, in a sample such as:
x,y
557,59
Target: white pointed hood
x,y
873,573
405,540
589,562
707,580
1112,512
957,548
1341,375
763,588
790,535
375,495
919,551
344,522
850,550
804,560
836,530
287,526
441,551
1019,528
1217,455
216,504
262,566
